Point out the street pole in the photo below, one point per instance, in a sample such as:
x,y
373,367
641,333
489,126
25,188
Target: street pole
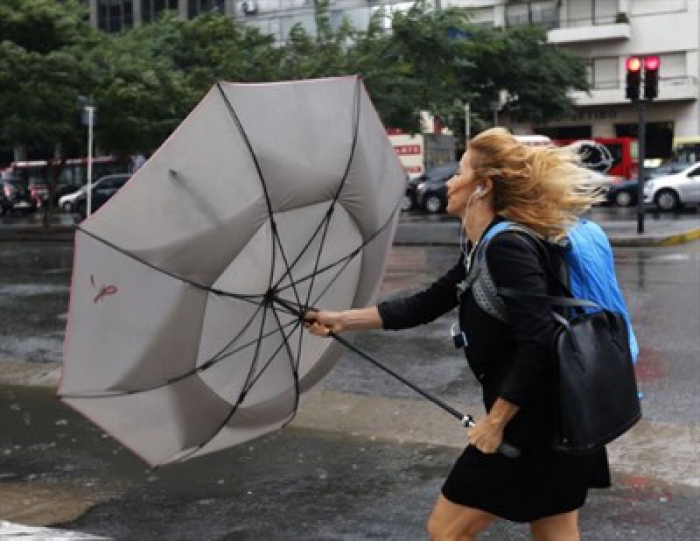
x,y
91,114
467,126
640,169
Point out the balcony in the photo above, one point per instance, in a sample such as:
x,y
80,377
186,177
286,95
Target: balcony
x,y
610,93
587,30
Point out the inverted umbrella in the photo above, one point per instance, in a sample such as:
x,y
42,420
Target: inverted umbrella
x,y
177,343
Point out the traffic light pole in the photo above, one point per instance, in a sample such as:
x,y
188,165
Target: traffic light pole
x,y
641,136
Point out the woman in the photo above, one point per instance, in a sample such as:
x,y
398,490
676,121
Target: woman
x,y
544,190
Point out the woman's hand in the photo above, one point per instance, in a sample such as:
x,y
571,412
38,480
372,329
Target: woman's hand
x,y
323,322
486,436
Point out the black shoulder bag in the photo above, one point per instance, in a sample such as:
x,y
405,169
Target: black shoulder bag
x,y
597,390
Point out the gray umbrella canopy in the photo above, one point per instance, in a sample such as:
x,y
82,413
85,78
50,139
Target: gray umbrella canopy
x,y
184,334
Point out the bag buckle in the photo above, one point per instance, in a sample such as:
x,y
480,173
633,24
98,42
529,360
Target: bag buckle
x,y
459,338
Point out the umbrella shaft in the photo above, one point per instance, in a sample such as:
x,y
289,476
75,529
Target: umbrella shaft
x,y
466,420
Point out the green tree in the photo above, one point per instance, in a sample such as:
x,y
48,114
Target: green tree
x,y
42,73
321,53
414,66
140,97
535,74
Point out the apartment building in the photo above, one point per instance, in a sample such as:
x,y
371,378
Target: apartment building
x,y
604,32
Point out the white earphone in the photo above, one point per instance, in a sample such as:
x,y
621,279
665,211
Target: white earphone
x,y
479,191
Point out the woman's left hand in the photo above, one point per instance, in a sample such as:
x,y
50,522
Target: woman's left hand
x,y
486,436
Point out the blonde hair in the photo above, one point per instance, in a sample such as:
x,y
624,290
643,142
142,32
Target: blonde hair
x,y
542,188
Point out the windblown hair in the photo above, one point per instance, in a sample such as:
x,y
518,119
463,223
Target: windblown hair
x,y
542,188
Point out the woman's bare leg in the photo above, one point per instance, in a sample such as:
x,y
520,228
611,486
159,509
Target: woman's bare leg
x,y
562,527
452,522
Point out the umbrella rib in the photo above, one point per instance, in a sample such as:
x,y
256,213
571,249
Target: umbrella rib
x,y
268,202
325,222
285,345
344,260
246,388
252,299
201,368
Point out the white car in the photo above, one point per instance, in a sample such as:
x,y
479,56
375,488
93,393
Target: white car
x,y
67,203
672,191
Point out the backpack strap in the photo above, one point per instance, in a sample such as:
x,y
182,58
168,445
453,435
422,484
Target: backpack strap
x,y
480,280
567,301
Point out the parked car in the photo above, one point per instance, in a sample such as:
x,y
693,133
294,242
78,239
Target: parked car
x,y
624,194
409,198
68,202
673,191
431,191
14,196
102,190
39,192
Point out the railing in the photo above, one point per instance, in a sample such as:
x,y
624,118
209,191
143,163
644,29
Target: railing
x,y
681,80
593,21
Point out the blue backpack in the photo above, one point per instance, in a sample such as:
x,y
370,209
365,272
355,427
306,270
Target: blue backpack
x,y
591,269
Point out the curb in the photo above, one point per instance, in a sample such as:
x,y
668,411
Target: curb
x,y
403,237
55,233
688,236
656,240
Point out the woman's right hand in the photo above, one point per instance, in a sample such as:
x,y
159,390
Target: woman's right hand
x,y
323,322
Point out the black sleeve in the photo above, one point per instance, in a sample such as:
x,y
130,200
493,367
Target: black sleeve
x,y
516,261
425,306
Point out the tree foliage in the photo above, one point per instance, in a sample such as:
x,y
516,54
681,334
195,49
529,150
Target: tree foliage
x,y
145,80
42,71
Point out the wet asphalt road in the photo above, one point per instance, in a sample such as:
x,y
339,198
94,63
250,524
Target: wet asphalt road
x,y
308,484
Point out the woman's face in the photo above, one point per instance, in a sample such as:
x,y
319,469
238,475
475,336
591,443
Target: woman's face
x,y
461,187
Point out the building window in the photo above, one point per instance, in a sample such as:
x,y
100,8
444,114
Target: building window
x,y
115,15
150,9
591,12
197,7
605,73
673,66
529,12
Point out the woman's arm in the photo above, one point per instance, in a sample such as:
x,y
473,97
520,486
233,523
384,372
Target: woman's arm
x,y
425,306
402,313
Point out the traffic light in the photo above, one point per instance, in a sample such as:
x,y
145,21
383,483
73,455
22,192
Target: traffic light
x,y
633,65
651,77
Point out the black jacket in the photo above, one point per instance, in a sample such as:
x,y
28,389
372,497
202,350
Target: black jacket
x,y
511,360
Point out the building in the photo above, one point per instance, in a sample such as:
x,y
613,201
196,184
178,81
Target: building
x,y
605,32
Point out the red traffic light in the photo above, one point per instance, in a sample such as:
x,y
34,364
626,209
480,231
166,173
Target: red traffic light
x,y
652,63
633,64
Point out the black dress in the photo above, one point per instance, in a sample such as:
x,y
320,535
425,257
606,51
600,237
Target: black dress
x,y
510,360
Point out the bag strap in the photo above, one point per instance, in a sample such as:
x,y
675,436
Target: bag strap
x,y
569,301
